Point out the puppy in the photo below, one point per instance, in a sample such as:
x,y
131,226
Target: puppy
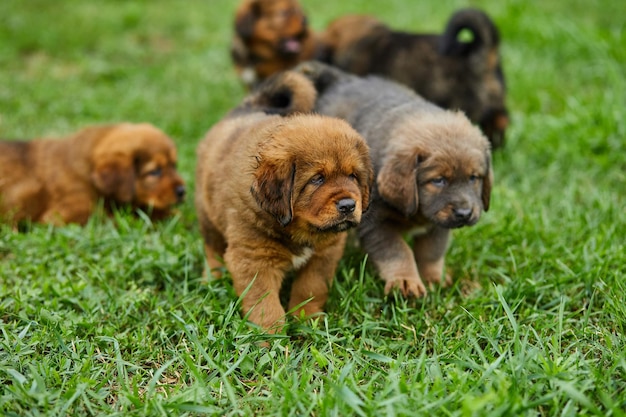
x,y
270,36
277,194
60,181
432,172
444,69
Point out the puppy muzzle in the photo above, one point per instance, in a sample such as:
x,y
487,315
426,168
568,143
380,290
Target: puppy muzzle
x,y
180,192
290,46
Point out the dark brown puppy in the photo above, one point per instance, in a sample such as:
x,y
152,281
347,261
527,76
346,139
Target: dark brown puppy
x,y
450,72
60,181
270,36
277,194
432,172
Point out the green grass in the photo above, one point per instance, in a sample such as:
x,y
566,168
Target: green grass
x,y
116,320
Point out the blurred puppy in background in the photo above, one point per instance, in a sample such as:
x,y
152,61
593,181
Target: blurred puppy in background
x,y
60,181
270,36
276,194
447,69
432,173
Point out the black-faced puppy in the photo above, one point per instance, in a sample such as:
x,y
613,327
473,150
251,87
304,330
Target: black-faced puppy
x,y
270,36
61,180
432,172
277,194
447,69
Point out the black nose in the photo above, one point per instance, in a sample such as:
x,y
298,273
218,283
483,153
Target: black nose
x,y
346,205
180,191
462,213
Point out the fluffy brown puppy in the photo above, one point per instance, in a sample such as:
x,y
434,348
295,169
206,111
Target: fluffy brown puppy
x,y
432,172
60,181
270,36
276,194
444,69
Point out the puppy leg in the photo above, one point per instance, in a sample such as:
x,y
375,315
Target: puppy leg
x,y
262,277
429,250
393,259
72,209
315,278
214,266
214,248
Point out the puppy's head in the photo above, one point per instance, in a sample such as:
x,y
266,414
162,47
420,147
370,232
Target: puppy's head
x,y
438,169
478,60
313,174
136,164
284,93
269,26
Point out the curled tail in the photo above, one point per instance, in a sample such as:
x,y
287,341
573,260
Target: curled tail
x,y
284,93
484,33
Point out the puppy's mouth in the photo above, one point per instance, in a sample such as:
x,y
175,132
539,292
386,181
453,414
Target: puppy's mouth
x,y
290,46
454,218
454,223
338,226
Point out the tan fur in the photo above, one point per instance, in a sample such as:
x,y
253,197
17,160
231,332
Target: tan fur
x,y
432,168
270,36
269,192
61,180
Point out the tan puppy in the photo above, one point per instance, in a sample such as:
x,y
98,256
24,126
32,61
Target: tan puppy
x,y
277,194
432,167
60,181
450,71
270,36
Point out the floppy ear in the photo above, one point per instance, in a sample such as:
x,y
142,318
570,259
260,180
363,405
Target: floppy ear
x,y
273,188
487,183
366,177
246,18
114,177
397,183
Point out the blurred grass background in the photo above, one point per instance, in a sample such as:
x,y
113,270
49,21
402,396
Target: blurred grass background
x,y
116,319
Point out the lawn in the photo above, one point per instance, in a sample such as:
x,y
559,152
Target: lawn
x,y
116,319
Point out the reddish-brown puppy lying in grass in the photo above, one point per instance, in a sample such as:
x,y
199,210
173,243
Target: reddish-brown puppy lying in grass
x,y
270,36
450,71
60,181
432,167
276,194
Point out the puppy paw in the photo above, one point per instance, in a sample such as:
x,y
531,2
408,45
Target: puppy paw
x,y
408,288
445,280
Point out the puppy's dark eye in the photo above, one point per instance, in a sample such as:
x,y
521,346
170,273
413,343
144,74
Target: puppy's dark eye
x,y
473,178
317,180
354,177
156,172
439,181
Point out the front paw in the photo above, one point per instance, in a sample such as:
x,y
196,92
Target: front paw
x,y
437,279
408,288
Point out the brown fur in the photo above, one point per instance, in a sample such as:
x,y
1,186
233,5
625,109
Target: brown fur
x,y
432,168
276,194
61,180
451,73
270,36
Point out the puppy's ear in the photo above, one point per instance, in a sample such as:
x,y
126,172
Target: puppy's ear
x,y
397,183
366,176
322,75
284,93
246,18
487,183
272,188
114,177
